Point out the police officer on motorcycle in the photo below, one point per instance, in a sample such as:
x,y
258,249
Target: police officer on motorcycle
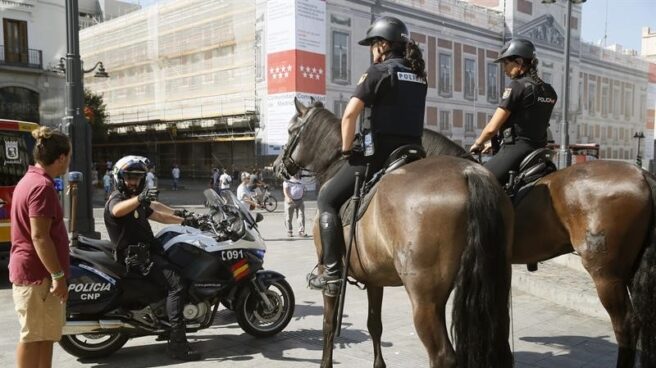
x,y
127,212
393,92
523,113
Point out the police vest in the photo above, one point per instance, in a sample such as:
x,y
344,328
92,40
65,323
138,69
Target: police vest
x,y
531,120
401,111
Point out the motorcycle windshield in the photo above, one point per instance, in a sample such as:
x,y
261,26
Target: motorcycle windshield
x,y
226,197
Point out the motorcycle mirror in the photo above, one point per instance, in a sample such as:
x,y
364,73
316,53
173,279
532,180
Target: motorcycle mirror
x,y
259,217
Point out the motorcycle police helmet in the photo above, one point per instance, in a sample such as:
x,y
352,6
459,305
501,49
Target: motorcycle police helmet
x,y
517,47
130,167
387,28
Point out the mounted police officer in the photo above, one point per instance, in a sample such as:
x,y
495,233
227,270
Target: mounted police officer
x,y
523,114
393,91
127,212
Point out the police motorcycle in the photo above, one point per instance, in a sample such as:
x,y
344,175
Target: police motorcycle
x,y
221,261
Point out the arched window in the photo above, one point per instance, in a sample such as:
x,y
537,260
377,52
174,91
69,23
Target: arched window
x,y
18,103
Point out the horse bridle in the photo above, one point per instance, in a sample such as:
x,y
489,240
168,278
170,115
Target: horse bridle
x,y
288,163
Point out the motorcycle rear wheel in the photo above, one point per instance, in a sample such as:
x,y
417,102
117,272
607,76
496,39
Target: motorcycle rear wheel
x,y
270,203
93,345
253,316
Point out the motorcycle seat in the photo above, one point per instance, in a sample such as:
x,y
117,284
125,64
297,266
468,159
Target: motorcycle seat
x,y
104,245
101,261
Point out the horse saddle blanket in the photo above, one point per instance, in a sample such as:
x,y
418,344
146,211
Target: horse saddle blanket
x,y
535,166
399,157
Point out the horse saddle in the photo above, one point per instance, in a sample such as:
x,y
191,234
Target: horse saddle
x,y
399,157
534,166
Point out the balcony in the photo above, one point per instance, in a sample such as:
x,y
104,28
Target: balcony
x,y
28,59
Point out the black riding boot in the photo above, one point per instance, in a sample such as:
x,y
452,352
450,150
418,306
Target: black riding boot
x,y
179,348
332,243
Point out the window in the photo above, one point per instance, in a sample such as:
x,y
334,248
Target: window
x,y
340,57
470,79
15,32
616,102
259,57
339,107
445,75
628,104
445,125
592,93
492,79
469,122
604,100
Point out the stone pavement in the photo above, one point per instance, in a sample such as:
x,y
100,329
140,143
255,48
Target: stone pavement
x,y
545,334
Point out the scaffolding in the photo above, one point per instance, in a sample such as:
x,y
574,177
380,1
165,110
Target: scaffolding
x,y
178,60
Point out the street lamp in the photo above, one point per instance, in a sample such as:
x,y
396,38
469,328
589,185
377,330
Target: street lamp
x,y
74,123
640,136
564,156
101,73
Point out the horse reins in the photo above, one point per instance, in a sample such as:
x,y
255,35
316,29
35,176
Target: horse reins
x,y
288,163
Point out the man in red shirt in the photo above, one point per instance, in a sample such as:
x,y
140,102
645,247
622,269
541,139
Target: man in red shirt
x,y
39,260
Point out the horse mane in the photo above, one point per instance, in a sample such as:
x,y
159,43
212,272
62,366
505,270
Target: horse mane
x,y
437,144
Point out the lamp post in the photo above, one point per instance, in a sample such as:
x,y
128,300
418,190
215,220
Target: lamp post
x,y
564,156
640,136
74,123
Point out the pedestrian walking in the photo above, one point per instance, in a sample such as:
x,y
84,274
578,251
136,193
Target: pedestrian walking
x,y
175,174
151,179
224,180
107,184
293,189
39,260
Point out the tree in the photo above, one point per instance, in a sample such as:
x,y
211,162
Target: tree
x,y
95,112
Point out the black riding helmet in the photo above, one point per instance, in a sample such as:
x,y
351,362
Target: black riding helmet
x,y
517,47
387,28
130,167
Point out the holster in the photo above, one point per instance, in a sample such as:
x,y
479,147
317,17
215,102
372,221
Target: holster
x,y
137,258
508,136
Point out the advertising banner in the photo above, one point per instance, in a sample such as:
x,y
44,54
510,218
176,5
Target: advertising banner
x,y
296,63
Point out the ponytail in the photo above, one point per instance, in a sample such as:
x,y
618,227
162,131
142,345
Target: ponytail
x,y
533,71
414,59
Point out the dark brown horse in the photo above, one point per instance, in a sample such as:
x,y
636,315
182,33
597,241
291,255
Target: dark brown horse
x,y
606,211
452,230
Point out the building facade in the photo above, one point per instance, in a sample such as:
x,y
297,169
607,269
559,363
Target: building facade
x,y
460,40
32,40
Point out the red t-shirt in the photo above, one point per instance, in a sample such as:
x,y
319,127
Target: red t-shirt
x,y
35,196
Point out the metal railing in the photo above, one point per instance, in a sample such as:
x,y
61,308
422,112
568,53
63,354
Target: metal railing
x,y
29,58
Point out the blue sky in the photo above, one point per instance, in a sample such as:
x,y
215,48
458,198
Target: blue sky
x,y
625,21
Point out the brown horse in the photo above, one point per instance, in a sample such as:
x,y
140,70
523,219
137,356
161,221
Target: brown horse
x,y
452,230
606,211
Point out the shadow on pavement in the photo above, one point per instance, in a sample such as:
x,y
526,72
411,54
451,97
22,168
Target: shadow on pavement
x,y
575,348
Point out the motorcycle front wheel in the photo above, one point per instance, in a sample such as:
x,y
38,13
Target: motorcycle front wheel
x,y
256,319
93,345
270,203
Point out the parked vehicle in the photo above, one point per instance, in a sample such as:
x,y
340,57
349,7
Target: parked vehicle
x,y
221,261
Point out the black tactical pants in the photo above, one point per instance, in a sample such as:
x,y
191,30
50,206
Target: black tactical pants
x,y
508,158
165,275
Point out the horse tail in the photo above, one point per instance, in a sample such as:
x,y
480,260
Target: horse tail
x,y
643,289
480,323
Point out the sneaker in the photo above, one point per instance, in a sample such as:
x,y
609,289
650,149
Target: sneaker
x,y
290,234
302,234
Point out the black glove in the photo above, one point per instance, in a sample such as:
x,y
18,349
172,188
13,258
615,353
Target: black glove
x,y
183,213
147,196
190,221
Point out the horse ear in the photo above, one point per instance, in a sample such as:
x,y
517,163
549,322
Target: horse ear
x,y
300,108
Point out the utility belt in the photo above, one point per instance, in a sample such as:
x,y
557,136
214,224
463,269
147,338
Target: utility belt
x,y
508,136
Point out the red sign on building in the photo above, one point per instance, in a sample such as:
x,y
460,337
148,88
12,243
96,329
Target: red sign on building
x,y
296,71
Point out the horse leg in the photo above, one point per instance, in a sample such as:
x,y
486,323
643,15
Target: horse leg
x,y
430,322
614,296
374,323
329,321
